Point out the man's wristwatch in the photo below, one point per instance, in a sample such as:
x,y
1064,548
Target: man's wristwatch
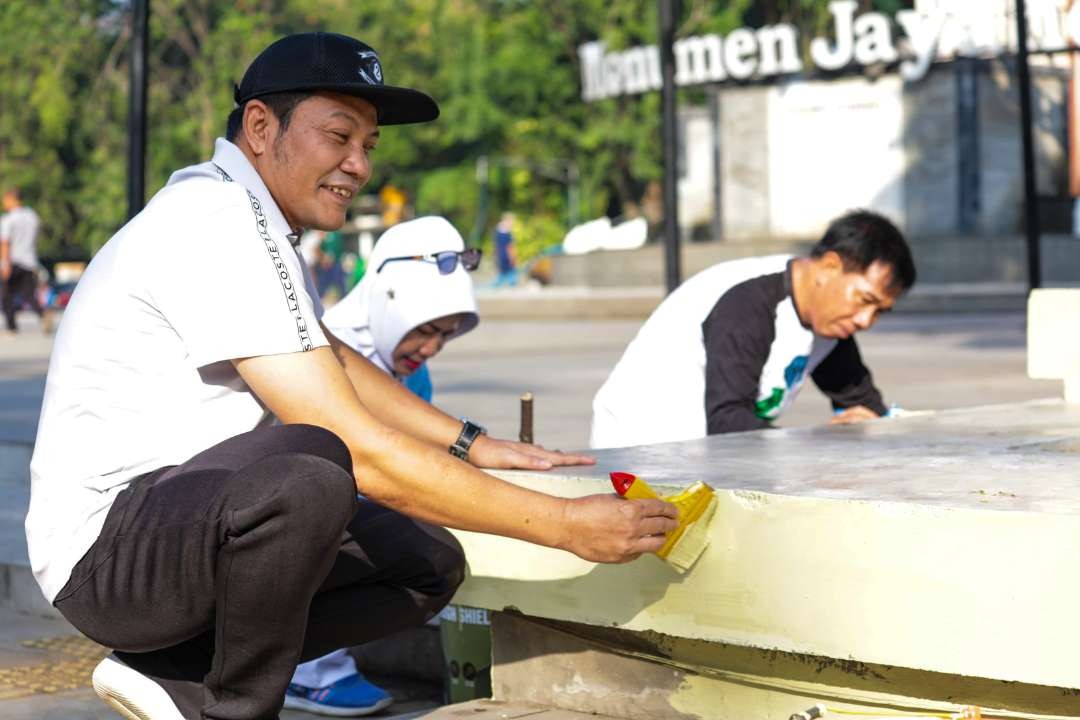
x,y
469,432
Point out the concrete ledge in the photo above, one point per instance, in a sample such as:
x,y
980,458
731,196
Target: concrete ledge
x,y
576,303
1053,343
637,303
942,544
940,260
647,676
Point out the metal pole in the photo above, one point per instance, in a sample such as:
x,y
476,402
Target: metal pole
x,y
573,195
669,10
525,434
1031,210
717,165
136,187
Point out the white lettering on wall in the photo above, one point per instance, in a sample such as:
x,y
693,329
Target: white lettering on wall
x,y
838,56
740,53
591,56
699,60
938,31
873,40
641,69
922,33
779,50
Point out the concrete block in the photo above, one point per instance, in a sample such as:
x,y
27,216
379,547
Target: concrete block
x,y
941,545
648,676
1053,343
744,151
579,303
929,138
538,664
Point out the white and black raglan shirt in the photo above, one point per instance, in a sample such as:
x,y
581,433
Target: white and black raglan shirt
x,y
141,373
726,352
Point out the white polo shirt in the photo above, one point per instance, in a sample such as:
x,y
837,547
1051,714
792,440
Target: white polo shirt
x,y
658,392
140,375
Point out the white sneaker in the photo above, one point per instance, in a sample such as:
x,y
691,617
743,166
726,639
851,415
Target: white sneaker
x,y
132,694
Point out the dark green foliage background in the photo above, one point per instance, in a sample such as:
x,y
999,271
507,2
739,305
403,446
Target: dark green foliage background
x,y
504,71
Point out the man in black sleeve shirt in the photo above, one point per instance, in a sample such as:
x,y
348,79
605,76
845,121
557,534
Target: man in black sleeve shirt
x,y
730,348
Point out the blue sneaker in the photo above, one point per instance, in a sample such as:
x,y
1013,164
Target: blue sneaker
x,y
351,696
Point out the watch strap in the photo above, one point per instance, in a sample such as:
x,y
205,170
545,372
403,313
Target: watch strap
x,y
469,432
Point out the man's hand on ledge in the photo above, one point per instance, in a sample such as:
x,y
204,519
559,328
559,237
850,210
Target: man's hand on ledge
x,y
489,452
610,529
856,414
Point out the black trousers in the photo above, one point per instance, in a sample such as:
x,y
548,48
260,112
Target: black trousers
x,y
217,576
21,282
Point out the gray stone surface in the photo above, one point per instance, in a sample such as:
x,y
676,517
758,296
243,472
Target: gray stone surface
x,y
754,206
533,662
1002,178
623,270
1006,457
956,270
744,150
931,182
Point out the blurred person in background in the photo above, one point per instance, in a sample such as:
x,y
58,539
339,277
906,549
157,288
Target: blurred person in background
x,y
505,253
395,205
417,297
18,258
329,273
322,253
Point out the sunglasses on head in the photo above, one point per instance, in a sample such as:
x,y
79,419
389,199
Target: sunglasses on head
x,y
446,261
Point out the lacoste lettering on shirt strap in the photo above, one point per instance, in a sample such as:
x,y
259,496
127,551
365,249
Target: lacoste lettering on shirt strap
x,y
279,265
282,272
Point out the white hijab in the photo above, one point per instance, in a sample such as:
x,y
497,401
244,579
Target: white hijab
x,y
386,305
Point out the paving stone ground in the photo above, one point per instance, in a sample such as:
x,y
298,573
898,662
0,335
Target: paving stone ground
x,y
45,667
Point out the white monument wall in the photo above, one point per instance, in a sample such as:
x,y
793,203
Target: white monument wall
x,y
833,146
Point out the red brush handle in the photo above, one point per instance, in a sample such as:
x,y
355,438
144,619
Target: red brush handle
x,y
622,481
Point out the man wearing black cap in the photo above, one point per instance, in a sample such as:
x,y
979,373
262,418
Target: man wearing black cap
x,y
169,519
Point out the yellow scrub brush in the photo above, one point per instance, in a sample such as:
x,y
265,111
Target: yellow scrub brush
x,y
696,505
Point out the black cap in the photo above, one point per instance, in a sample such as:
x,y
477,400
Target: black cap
x,y
328,61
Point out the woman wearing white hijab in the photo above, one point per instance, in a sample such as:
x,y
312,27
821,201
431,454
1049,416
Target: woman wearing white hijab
x,y
416,287
415,296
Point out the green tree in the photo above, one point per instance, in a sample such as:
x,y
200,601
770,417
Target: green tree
x,y
505,72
